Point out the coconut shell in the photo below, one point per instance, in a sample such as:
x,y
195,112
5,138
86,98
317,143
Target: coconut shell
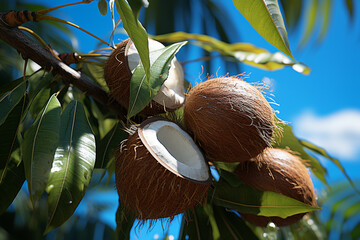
x,y
229,118
149,190
118,75
278,171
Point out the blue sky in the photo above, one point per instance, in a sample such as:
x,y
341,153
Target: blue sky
x,y
323,107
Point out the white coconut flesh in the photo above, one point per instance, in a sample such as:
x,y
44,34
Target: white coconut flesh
x,y
173,148
171,93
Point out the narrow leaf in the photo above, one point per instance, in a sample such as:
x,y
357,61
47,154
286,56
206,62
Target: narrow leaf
x,y
141,93
266,19
263,203
12,174
124,223
322,152
310,21
38,148
136,6
242,52
136,32
326,11
105,147
232,226
195,225
10,96
72,166
12,179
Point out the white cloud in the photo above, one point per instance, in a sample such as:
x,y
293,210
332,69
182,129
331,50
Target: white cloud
x,y
338,133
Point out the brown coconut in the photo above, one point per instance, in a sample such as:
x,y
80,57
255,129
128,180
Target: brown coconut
x,y
229,118
278,171
149,182
118,72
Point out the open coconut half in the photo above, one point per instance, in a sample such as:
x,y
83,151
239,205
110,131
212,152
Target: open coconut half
x,y
278,171
160,172
122,63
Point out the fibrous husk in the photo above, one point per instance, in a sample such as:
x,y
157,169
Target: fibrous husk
x,y
150,189
278,171
118,72
229,118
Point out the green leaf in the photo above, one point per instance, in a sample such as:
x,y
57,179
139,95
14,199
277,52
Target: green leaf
x,y
136,32
142,93
266,19
136,6
322,152
12,179
102,5
72,166
97,73
12,174
326,11
350,8
310,21
39,102
105,147
10,96
38,148
195,225
242,52
124,223
286,139
232,226
229,193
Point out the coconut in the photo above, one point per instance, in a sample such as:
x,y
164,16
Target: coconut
x,y
278,171
160,172
229,118
120,67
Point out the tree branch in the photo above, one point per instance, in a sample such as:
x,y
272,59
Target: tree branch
x,y
28,48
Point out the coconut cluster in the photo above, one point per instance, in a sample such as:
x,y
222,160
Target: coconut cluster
x,y
279,171
162,170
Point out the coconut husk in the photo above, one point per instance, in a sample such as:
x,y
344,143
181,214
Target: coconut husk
x,y
149,190
118,75
278,171
229,118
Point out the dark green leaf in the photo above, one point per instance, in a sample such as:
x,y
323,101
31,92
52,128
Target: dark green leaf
x,y
136,6
72,166
12,179
232,226
97,73
136,32
124,223
322,152
141,92
286,139
266,19
229,193
38,148
12,174
39,102
10,96
102,5
105,147
350,9
196,225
